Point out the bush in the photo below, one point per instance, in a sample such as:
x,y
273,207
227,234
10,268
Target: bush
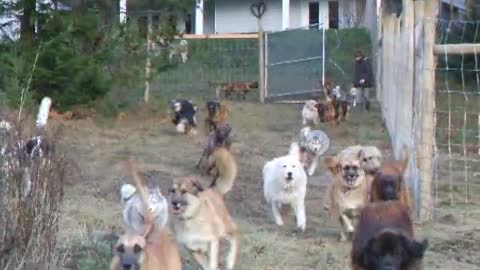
x,y
29,221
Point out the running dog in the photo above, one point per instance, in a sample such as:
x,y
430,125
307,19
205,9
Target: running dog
x,y
220,137
133,212
200,220
310,113
313,143
217,112
152,249
348,192
285,182
384,239
185,118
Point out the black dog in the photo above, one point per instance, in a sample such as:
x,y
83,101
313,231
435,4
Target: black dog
x,y
184,109
210,121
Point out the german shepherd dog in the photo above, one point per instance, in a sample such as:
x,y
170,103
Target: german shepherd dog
x,y
217,112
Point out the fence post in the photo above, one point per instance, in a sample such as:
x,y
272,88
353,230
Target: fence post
x,y
428,111
261,61
148,65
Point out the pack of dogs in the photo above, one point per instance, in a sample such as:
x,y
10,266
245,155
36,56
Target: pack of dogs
x,y
367,195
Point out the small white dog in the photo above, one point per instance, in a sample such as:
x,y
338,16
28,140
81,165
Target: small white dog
x,y
133,212
285,182
310,112
314,143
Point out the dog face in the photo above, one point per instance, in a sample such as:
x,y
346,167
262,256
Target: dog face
x,y
177,106
349,168
371,159
184,196
311,105
222,132
388,186
130,250
289,168
390,250
212,108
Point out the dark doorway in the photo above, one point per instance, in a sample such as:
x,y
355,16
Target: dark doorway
x,y
188,24
313,14
333,14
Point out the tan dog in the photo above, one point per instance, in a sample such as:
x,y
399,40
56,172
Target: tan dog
x,y
151,251
348,192
226,170
371,158
200,220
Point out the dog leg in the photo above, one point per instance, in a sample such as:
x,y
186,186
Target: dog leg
x,y
201,159
276,214
232,254
347,223
313,165
299,208
214,254
200,258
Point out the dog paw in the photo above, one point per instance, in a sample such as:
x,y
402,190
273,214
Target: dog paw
x,y
343,237
301,227
279,222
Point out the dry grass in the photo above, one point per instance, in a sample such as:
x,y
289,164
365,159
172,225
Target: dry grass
x,y
261,132
29,221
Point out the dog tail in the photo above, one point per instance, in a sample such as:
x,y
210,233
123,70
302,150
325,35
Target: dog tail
x,y
227,170
42,116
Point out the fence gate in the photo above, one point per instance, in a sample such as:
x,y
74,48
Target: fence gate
x,y
294,60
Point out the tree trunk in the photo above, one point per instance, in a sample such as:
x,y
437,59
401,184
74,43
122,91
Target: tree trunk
x,y
27,21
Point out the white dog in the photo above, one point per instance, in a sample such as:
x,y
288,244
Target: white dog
x,y
310,112
314,143
285,182
179,49
133,212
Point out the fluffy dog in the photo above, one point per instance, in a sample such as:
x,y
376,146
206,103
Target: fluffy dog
x,y
185,118
220,137
348,192
285,182
313,143
133,212
217,112
384,239
200,220
389,183
310,113
148,251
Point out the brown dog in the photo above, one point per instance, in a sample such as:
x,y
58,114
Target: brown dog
x,y
200,220
217,112
225,89
348,192
384,239
389,183
150,251
220,137
326,111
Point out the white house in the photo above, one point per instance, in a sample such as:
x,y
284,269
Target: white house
x,y
234,16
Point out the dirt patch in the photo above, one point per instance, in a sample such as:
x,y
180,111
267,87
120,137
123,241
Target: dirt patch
x,y
465,247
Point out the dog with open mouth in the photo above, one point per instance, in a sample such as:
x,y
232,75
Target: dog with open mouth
x,y
348,191
285,183
200,219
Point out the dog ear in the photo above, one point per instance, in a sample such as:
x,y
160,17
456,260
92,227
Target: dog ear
x,y
332,163
361,154
414,248
196,184
295,150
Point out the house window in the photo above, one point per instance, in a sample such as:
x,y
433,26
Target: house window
x,y
188,24
333,14
313,14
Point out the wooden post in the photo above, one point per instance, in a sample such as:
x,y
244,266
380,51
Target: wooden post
x,y
148,64
261,61
428,113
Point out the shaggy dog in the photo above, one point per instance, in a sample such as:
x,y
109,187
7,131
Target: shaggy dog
x,y
348,192
226,89
313,143
220,137
285,182
389,183
133,212
326,111
200,220
384,239
149,249
310,113
185,118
